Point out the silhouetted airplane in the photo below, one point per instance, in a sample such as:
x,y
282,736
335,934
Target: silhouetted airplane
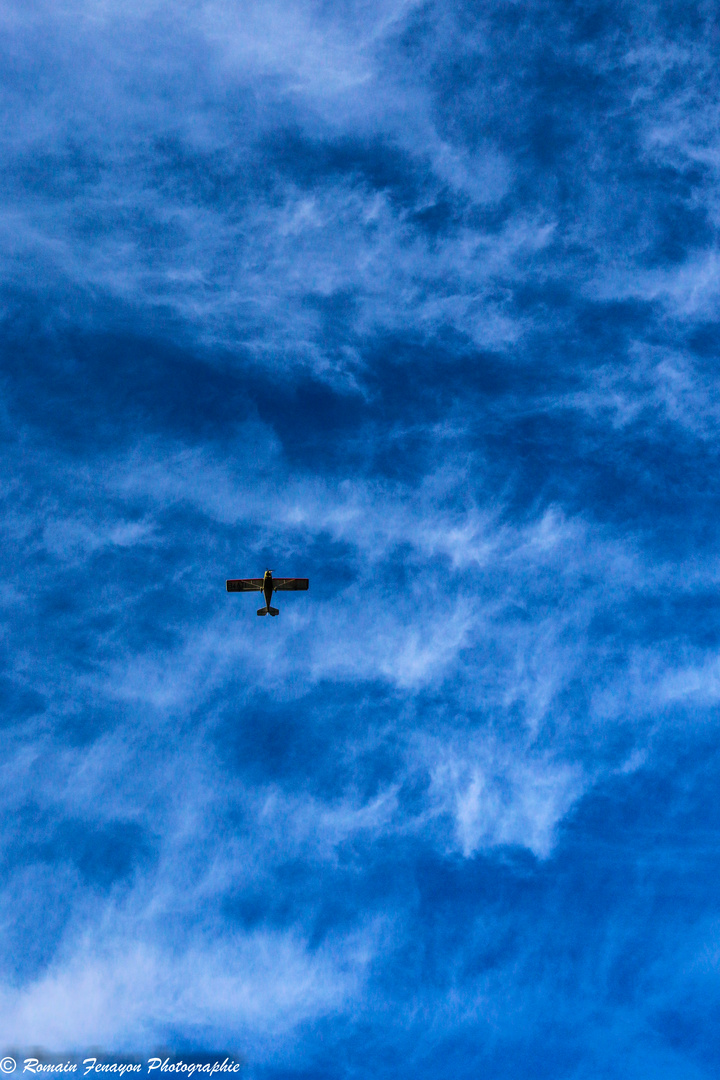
x,y
268,586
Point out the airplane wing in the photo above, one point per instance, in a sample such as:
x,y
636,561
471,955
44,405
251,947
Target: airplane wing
x,y
293,583
245,584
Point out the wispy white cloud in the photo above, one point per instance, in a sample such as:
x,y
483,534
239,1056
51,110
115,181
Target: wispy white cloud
x,y
658,385
498,796
241,271
123,994
689,291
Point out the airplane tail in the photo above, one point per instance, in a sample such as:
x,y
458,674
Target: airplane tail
x,y
262,611
273,611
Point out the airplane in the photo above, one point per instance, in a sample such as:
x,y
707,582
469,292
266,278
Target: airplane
x,y
267,585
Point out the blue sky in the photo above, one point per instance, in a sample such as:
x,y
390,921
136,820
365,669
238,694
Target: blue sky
x,y
421,301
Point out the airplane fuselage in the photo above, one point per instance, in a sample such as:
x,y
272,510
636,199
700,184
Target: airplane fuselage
x,y
268,587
